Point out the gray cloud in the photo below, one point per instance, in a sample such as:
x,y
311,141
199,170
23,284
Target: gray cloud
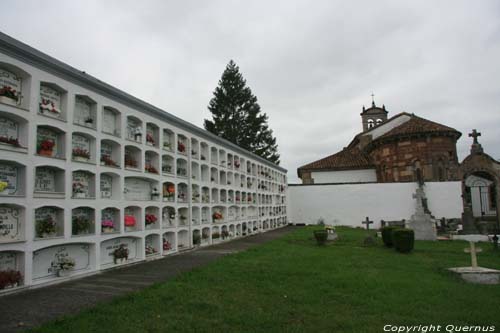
x,y
312,65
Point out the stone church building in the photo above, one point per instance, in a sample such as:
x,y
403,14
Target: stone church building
x,y
396,149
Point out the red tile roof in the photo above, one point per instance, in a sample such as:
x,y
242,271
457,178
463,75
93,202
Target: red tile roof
x,y
346,159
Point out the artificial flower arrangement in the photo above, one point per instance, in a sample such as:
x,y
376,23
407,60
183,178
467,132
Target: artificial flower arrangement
x,y
107,225
151,219
224,234
217,216
237,198
181,196
215,235
10,279
150,169
45,147
169,192
81,153
181,172
3,185
10,141
120,253
237,163
130,221
47,105
130,162
150,250
166,245
45,227
203,158
166,168
108,161
181,147
81,225
63,263
8,92
149,139
205,235
79,190
193,152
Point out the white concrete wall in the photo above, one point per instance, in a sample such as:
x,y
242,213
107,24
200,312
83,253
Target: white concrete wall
x,y
351,203
345,176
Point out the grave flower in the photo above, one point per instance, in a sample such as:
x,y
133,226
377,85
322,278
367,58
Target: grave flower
x,y
130,221
181,147
151,169
81,153
63,263
10,141
237,163
150,250
130,162
151,219
120,253
10,279
79,190
3,185
107,225
81,225
47,105
217,216
8,92
166,245
108,161
45,147
45,227
149,139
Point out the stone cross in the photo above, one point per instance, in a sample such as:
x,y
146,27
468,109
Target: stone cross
x,y
475,134
367,222
473,251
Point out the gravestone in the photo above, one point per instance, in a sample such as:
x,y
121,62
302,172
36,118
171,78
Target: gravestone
x,y
9,177
43,259
10,224
45,180
421,222
106,186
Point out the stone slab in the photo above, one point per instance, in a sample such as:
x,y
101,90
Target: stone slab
x,y
480,275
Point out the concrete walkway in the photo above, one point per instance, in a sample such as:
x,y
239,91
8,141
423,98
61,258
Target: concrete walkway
x,y
31,308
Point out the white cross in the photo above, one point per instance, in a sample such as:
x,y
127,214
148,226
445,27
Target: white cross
x,y
473,251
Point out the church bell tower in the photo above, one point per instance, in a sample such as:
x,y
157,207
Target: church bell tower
x,y
373,116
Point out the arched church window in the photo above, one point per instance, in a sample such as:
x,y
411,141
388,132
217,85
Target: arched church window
x,y
379,121
370,123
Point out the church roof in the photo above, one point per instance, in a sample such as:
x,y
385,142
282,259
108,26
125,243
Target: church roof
x,y
417,125
346,159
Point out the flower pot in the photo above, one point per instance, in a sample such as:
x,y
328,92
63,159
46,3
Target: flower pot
x,y
48,234
107,230
79,195
8,100
62,272
45,152
130,228
120,260
80,159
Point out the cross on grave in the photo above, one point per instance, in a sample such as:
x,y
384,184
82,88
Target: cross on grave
x,y
475,134
367,222
473,251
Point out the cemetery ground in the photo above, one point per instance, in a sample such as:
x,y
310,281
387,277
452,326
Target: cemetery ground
x,y
291,284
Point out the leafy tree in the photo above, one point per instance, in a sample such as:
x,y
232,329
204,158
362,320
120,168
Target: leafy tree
x,y
236,116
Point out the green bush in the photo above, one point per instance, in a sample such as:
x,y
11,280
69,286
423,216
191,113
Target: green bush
x,y
403,239
321,236
387,236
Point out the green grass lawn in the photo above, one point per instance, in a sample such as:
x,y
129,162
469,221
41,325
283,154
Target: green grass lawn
x,y
292,285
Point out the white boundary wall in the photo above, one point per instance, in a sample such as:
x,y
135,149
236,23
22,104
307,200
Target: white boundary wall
x,y
349,204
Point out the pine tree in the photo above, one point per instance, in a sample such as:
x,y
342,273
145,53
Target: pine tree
x,y
237,116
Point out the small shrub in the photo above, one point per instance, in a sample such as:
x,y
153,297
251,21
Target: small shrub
x,y
369,241
404,240
387,236
321,236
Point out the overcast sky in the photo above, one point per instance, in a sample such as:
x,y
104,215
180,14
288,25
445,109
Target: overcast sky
x,y
311,64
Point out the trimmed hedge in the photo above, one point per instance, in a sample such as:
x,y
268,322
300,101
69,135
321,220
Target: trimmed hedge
x,y
387,235
403,239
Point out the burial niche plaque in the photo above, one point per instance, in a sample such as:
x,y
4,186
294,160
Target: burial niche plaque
x,y
83,112
50,101
109,121
10,224
9,176
8,261
45,180
44,260
10,87
108,247
106,186
9,131
137,189
81,181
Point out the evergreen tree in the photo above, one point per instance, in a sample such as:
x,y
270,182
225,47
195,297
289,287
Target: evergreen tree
x,y
237,116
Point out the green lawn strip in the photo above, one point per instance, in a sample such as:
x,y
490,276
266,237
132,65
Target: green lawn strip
x,y
293,285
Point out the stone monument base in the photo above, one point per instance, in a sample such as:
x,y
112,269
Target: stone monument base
x,y
423,226
479,275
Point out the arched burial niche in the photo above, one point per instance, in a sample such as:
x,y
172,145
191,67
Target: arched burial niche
x,y
49,182
110,220
168,140
141,189
82,221
83,184
152,135
12,179
205,236
168,217
49,222
110,153
11,270
14,86
85,112
169,242
110,187
152,217
152,245
111,121
50,142
83,148
182,240
53,101
13,132
12,223
120,251
134,129
481,194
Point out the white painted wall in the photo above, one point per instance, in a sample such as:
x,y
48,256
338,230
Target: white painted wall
x,y
350,204
345,176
